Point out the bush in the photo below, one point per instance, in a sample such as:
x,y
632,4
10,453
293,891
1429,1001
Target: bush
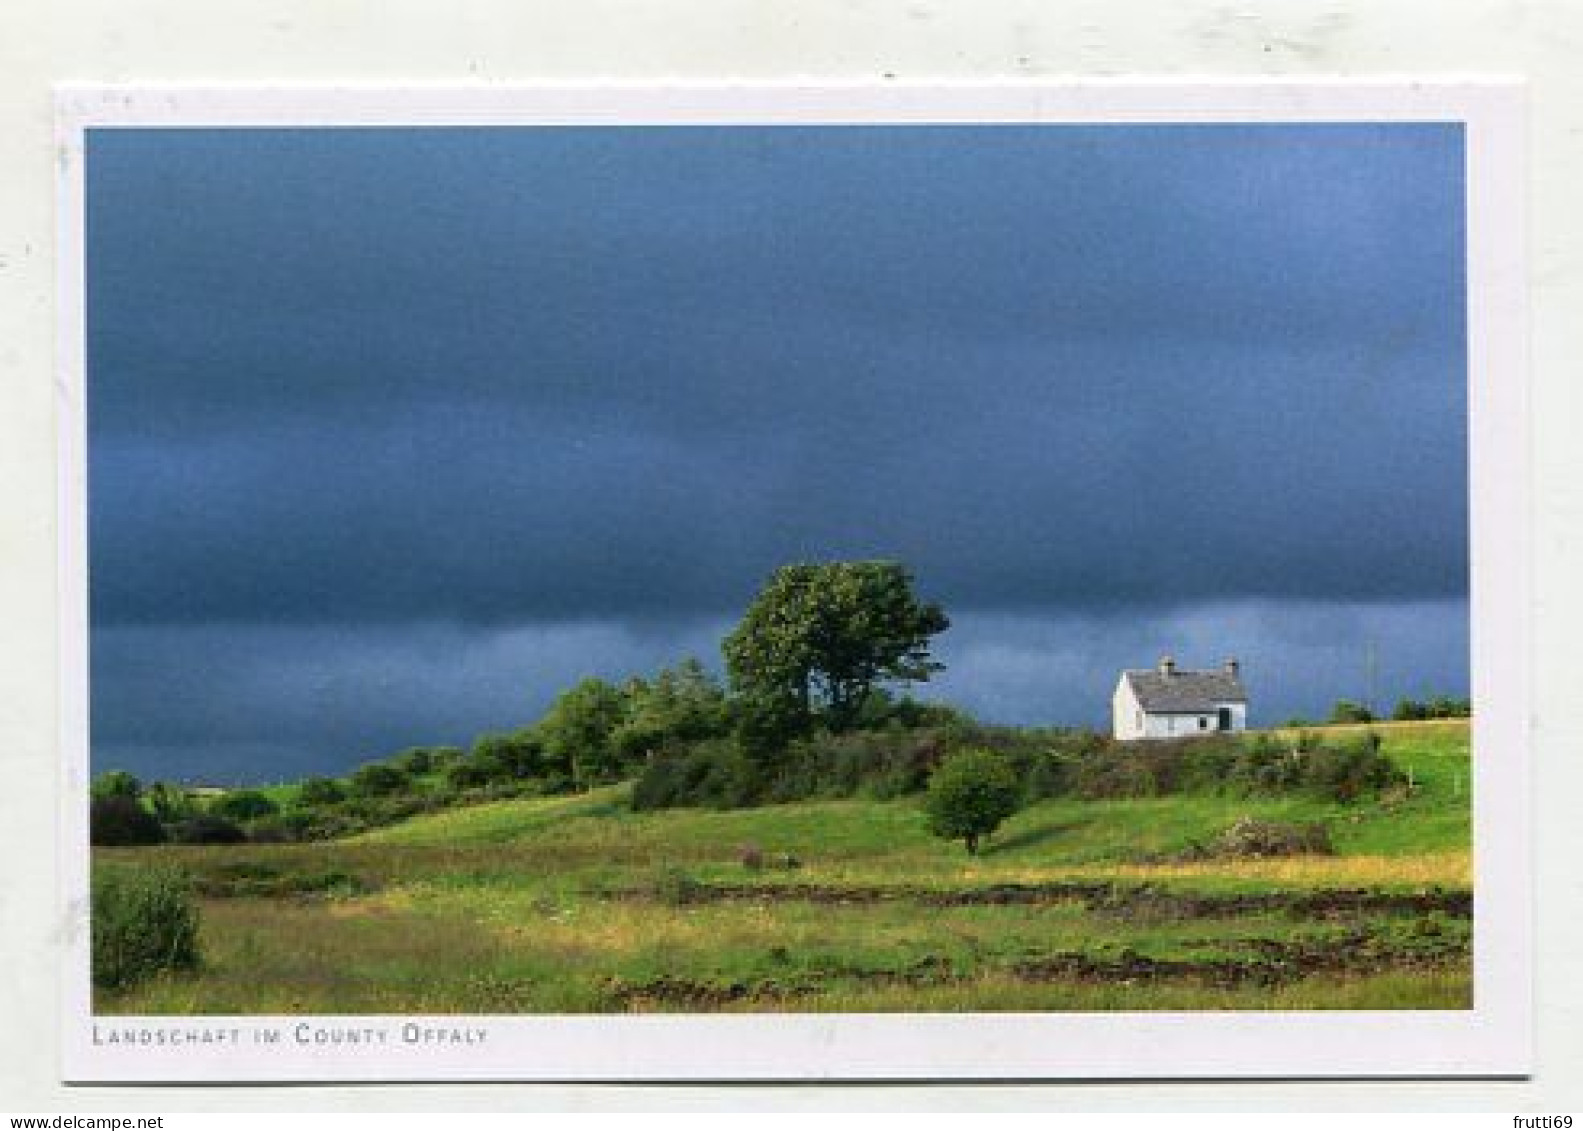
x,y
970,795
507,757
116,783
242,805
116,820
1148,769
293,824
1346,711
894,761
417,761
252,879
1410,710
143,922
675,888
208,828
1047,778
319,791
316,824
169,802
465,774
1346,771
714,774
1249,837
378,779
884,762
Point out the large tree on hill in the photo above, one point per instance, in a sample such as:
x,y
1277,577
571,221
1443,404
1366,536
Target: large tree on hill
x,y
821,637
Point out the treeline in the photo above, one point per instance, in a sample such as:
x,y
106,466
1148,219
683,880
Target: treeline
x,y
696,760
811,656
593,734
807,711
683,742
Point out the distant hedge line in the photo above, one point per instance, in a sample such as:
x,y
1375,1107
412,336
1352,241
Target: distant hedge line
x,y
895,762
893,759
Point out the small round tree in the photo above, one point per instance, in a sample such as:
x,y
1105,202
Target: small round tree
x,y
970,795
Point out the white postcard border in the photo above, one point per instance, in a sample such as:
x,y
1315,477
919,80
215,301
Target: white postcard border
x,y
1492,1039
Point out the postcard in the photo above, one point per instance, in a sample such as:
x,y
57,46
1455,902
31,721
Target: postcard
x,y
771,582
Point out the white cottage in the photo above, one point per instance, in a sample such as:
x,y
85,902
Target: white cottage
x,y
1166,702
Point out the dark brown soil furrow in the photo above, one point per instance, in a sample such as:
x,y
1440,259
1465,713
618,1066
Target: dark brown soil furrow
x,y
1274,963
1102,897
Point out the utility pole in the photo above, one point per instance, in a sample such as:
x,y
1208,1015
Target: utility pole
x,y
1371,674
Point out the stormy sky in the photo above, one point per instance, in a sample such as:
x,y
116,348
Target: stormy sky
x,y
396,433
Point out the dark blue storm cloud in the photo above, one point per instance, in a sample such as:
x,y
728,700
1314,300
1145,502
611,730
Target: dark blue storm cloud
x,y
356,384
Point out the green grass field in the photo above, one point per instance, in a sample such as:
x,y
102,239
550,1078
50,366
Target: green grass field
x,y
577,904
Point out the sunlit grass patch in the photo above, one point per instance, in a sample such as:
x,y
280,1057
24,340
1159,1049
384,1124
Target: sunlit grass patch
x,y
1450,869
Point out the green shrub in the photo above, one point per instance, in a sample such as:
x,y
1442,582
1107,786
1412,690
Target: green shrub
x,y
378,779
115,819
320,824
1048,776
1102,770
1266,764
318,791
466,773
714,774
1448,707
242,805
291,824
893,761
970,795
1345,771
507,757
1410,710
169,802
143,922
247,878
1346,711
208,828
887,761
116,783
1250,837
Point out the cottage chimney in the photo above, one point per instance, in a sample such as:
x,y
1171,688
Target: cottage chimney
x,y
1233,669
1167,667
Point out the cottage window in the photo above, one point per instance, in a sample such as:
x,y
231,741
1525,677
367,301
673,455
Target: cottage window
x,y
1203,723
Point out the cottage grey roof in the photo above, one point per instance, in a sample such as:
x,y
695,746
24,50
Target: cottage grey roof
x,y
1184,691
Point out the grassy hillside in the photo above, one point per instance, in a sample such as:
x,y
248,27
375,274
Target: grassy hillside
x,y
577,903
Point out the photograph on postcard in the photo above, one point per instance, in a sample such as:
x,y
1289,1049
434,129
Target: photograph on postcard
x,y
827,567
